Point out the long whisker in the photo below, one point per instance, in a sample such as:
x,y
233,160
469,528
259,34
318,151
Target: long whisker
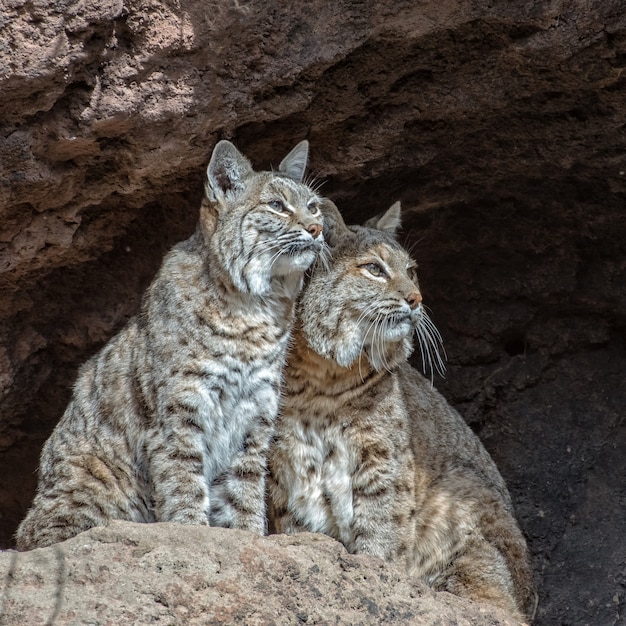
x,y
360,370
438,349
431,350
437,343
254,254
313,182
375,344
432,326
276,248
366,334
384,328
324,258
382,343
360,319
421,344
356,327
431,346
379,337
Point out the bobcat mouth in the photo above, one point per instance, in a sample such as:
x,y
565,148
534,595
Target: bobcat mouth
x,y
399,324
296,257
303,246
398,318
384,328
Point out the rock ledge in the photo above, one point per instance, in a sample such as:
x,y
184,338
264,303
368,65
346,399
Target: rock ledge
x,y
142,573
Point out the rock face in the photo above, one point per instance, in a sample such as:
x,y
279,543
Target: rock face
x,y
171,574
500,126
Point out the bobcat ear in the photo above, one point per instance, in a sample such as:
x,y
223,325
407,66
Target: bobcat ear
x,y
294,164
226,172
388,222
334,226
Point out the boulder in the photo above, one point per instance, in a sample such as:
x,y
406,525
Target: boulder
x,y
172,574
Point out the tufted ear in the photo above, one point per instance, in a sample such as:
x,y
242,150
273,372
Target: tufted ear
x,y
294,164
226,172
334,226
388,222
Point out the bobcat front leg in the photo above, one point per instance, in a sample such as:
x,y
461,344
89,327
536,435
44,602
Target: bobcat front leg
x,y
176,459
280,518
375,528
238,494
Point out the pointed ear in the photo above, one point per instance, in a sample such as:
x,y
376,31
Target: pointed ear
x,y
227,171
294,164
388,222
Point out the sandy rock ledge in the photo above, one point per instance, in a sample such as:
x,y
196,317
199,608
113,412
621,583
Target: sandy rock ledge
x,y
170,574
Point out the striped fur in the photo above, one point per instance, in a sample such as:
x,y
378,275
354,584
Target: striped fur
x,y
171,420
368,452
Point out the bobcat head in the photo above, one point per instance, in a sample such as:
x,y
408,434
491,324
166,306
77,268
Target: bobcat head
x,y
367,300
269,224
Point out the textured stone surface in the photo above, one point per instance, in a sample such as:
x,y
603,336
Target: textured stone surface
x,y
170,574
501,127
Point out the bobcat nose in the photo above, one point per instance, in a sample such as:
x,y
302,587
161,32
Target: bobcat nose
x,y
413,299
315,230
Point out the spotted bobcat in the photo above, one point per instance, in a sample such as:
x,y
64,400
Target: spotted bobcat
x,y
368,452
171,420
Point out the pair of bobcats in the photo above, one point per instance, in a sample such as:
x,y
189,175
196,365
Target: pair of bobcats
x,y
178,418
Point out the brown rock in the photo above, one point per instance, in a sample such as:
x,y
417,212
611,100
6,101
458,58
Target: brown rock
x,y
171,574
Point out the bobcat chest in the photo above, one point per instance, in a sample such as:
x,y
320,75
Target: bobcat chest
x,y
232,399
324,463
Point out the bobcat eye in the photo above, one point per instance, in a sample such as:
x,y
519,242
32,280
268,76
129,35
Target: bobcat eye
x,y
277,205
374,269
313,206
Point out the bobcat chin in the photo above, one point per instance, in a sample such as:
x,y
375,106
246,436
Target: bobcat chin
x,y
367,451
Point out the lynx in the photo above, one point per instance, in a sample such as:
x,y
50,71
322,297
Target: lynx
x,y
367,451
171,420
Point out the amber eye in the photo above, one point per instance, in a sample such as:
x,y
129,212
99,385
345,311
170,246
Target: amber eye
x,y
277,205
374,269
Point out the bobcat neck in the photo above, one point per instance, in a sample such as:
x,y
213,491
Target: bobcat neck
x,y
325,376
283,289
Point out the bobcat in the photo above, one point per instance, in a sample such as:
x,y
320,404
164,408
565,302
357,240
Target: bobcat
x,y
367,451
171,420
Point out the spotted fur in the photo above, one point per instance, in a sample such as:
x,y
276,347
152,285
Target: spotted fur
x,y
171,420
368,452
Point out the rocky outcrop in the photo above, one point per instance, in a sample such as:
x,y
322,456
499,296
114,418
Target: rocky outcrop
x,y
499,125
171,574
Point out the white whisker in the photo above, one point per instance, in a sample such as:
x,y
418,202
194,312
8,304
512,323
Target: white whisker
x,y
376,342
421,343
324,258
366,333
431,346
383,342
313,182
